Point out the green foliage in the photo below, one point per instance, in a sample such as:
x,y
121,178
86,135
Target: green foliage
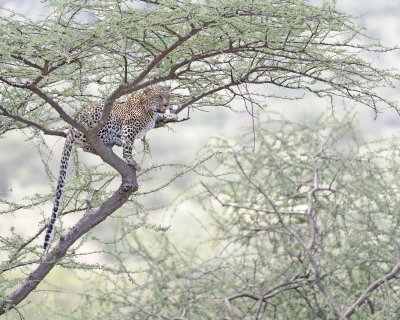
x,y
313,206
82,51
300,225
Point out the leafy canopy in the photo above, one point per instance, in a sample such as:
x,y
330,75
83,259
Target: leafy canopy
x,y
83,51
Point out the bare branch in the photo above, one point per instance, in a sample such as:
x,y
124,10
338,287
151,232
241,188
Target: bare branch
x,y
373,286
45,130
310,254
57,107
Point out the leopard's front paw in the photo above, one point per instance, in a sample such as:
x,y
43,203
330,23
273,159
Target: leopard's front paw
x,y
171,116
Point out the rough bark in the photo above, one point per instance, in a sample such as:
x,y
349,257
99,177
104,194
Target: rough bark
x,y
91,218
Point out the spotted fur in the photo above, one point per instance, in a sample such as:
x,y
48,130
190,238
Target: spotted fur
x,y
128,120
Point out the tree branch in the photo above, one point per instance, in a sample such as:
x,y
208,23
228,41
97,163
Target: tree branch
x,y
45,130
57,107
126,88
85,224
365,295
310,254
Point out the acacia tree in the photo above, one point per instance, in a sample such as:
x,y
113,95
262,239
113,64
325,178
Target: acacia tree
x,y
84,53
306,227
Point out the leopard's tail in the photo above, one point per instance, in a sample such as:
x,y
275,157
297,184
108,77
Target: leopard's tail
x,y
60,188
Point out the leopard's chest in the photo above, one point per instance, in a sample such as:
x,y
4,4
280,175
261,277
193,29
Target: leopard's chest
x,y
146,127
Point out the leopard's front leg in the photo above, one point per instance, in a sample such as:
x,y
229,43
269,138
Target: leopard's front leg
x,y
127,140
109,142
127,154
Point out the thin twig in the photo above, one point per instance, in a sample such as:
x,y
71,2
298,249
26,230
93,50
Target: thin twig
x,y
318,278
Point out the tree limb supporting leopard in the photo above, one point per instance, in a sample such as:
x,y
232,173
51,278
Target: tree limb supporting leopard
x,y
91,218
127,120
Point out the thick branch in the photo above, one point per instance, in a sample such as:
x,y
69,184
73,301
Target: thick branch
x,y
85,224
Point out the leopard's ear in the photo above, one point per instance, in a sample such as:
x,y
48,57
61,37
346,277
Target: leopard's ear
x,y
167,88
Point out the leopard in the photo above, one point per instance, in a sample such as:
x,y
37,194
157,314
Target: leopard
x,y
127,121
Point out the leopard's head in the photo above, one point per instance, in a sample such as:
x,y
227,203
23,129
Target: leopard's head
x,y
158,97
